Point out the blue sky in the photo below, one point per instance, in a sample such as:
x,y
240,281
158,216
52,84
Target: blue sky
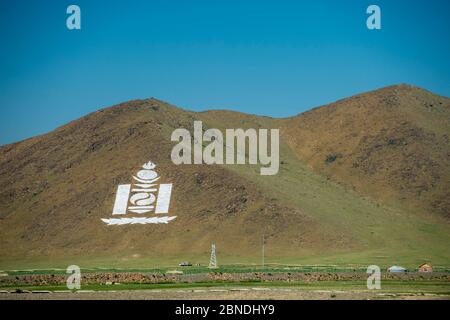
x,y
275,58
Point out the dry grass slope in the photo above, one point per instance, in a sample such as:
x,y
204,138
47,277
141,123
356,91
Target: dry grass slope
x,y
390,146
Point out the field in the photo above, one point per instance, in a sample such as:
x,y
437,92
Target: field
x,y
229,282
242,290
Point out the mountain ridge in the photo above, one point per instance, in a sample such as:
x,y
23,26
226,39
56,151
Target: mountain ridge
x,y
56,187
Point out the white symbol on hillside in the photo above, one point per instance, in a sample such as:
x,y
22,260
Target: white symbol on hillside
x,y
144,196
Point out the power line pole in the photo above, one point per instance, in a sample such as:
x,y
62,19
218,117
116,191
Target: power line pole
x,y
263,243
263,247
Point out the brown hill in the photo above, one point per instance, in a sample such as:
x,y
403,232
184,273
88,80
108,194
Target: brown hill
x,y
392,144
55,188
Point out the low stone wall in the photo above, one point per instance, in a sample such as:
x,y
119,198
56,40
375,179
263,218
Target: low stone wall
x,y
135,277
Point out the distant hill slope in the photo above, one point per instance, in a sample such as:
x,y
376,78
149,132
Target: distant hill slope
x,y
55,188
392,144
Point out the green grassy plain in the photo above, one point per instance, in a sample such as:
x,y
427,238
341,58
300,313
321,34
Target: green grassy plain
x,y
388,286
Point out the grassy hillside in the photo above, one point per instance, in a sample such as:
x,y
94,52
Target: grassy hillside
x,y
55,188
392,144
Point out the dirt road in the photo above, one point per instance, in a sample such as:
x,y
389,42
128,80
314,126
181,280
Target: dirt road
x,y
220,294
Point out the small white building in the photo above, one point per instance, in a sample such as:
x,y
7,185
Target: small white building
x,y
397,269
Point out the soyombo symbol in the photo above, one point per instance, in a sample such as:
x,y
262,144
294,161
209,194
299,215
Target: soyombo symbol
x,y
143,197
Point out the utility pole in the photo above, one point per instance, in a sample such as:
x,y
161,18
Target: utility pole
x,y
263,245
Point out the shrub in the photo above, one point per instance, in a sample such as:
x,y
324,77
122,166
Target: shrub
x,y
331,158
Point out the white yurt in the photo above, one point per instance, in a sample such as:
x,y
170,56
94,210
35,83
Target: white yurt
x,y
396,269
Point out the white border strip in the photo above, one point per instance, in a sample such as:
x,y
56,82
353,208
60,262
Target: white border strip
x,y
163,202
154,220
120,205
